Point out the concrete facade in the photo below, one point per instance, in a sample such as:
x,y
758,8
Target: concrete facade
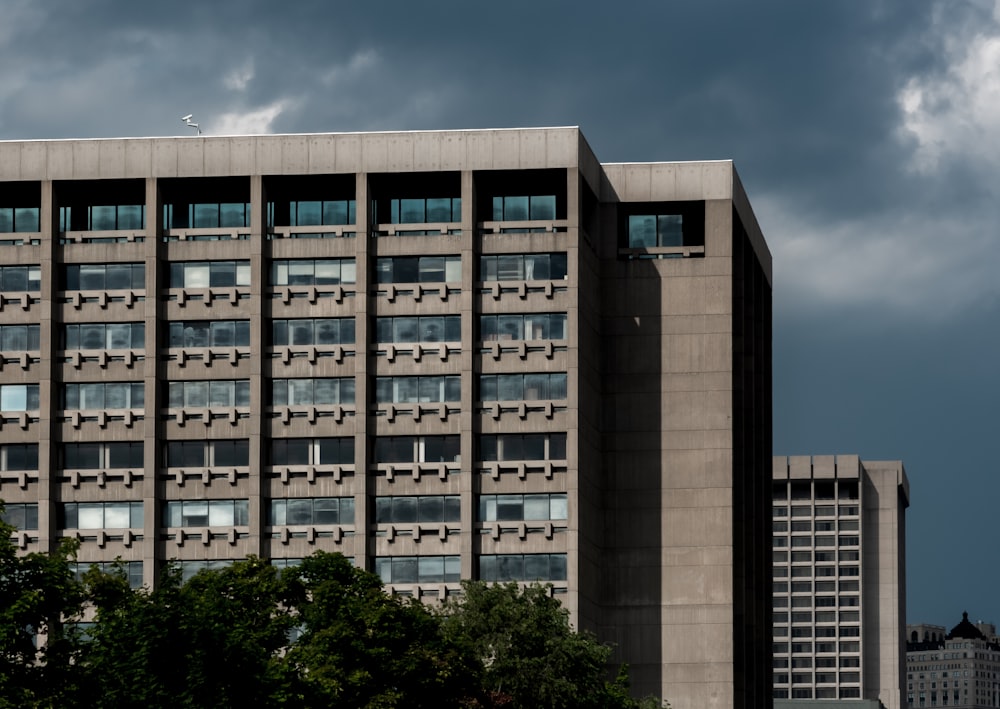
x,y
467,354
839,579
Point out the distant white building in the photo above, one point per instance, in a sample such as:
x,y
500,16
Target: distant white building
x,y
959,670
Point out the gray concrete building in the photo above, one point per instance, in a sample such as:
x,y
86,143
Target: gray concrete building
x,y
456,354
839,579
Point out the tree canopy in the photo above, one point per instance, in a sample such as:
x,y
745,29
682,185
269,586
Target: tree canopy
x,y
321,634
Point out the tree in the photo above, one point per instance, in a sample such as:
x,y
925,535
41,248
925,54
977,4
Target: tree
x,y
212,642
38,595
531,656
360,647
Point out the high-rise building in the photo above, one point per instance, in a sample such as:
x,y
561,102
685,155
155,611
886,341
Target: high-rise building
x,y
467,354
839,579
960,669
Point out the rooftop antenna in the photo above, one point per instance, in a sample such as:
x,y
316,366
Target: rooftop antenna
x,y
191,124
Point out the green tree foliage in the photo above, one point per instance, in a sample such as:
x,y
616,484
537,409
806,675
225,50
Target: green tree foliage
x,y
362,648
38,595
531,657
223,639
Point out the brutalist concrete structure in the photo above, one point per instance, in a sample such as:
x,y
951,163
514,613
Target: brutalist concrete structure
x,y
839,579
468,354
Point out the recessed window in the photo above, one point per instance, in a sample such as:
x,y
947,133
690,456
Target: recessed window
x,y
522,567
418,269
104,336
312,451
19,456
209,333
522,387
202,394
19,219
410,509
423,328
313,331
313,272
417,449
664,224
206,513
522,267
311,510
105,276
19,397
101,515
18,279
132,570
409,390
418,569
306,392
108,217
524,208
419,210
209,274
98,456
313,213
522,446
206,215
103,395
15,338
526,326
530,507
207,454
23,516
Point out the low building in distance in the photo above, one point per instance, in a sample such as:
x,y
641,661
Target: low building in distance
x,y
960,669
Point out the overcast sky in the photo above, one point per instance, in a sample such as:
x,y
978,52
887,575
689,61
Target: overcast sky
x,y
867,134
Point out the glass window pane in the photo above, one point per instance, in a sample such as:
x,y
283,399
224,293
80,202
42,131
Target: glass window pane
x,y
90,516
300,392
453,269
515,208
117,515
534,446
14,337
641,231
509,507
404,510
405,569
557,446
223,333
222,274
411,211
221,513
431,569
91,277
557,386
431,329
543,207
536,507
325,391
221,393
196,275
300,332
405,329
431,269
277,512
430,509
669,230
327,273
510,327
119,336
558,508
510,387
452,509
118,276
536,567
196,394
327,332
300,511
326,510
233,214
557,567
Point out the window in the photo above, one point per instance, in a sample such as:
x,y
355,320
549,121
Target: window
x,y
103,395
209,333
313,331
408,390
417,449
202,394
23,516
18,397
418,569
15,338
312,510
527,326
101,515
312,451
104,336
527,387
524,208
316,213
664,224
522,446
424,328
418,269
16,279
420,211
522,567
190,568
522,267
206,513
417,509
105,276
108,217
506,508
132,570
207,454
209,274
98,456
306,392
19,219
313,272
206,215
19,456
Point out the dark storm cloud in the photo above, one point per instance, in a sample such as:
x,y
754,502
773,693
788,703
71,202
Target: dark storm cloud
x,y
863,131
